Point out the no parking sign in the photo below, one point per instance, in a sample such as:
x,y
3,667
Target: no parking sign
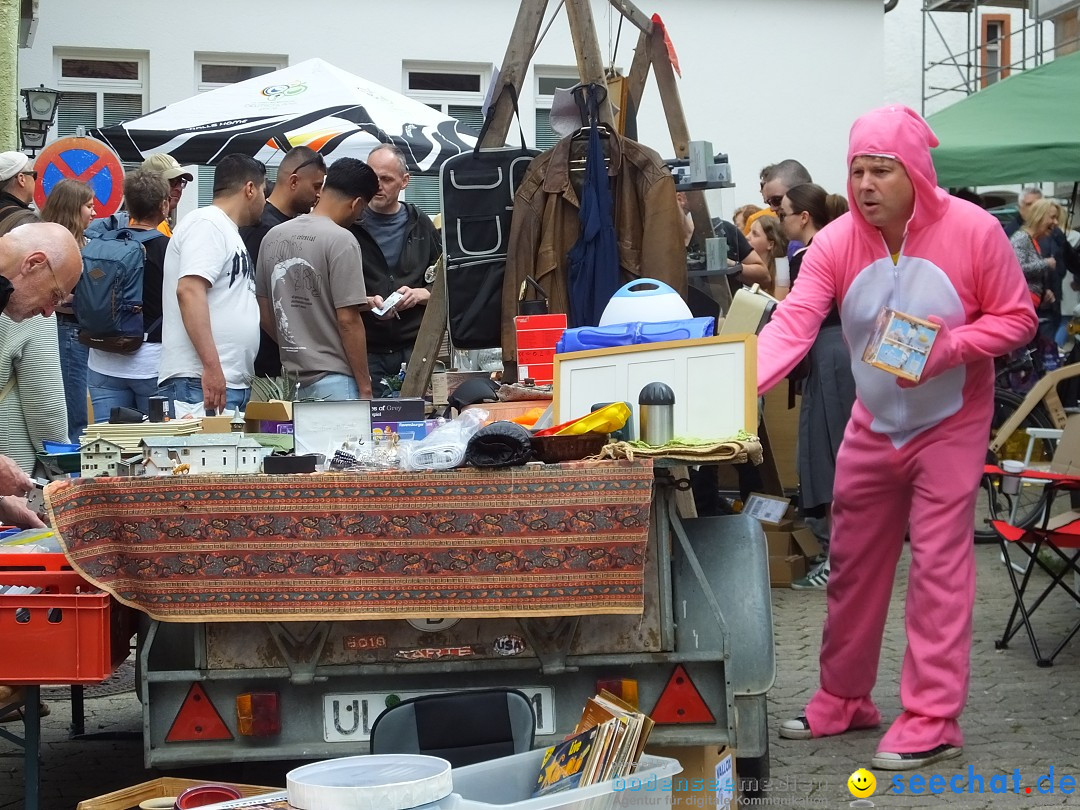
x,y
83,159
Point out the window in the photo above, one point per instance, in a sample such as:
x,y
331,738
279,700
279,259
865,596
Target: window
x,y
548,80
994,50
456,90
214,70
99,90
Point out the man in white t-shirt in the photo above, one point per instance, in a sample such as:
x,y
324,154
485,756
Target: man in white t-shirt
x,y
310,286
210,326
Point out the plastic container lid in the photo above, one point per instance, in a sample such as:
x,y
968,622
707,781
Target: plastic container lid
x,y
646,300
373,782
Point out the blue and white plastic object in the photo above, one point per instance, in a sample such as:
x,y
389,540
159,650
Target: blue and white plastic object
x,y
645,300
583,338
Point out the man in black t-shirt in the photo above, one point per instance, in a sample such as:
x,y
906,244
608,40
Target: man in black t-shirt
x,y
299,181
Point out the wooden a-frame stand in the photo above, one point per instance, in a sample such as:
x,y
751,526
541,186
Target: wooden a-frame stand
x,y
650,52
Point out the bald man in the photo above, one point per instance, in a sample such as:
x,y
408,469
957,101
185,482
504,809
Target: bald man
x,y
40,264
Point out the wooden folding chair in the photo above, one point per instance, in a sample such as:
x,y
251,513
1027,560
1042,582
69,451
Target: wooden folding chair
x,y
1056,534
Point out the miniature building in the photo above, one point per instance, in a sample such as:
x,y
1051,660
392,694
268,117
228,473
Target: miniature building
x,y
99,457
203,453
133,466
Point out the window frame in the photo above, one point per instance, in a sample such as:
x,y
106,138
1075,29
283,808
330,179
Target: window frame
x,y
102,87
257,60
544,101
988,76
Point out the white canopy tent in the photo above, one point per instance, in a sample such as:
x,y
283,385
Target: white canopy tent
x,y
310,104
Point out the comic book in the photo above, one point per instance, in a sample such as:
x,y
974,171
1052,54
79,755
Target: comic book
x,y
566,763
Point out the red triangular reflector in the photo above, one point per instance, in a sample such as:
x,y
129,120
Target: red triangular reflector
x,y
197,719
681,702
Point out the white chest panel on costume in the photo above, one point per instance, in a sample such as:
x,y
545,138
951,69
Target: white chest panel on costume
x,y
915,287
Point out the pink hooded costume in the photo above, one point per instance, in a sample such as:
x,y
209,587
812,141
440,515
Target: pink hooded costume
x,y
912,457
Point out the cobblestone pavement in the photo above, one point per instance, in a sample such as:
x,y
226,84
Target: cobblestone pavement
x,y
1019,717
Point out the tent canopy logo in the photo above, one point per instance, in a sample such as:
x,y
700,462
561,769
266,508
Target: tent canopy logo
x,y
294,88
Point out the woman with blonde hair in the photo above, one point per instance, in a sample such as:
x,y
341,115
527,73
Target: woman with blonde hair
x,y
71,203
769,241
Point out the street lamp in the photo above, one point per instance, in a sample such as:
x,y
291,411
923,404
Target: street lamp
x,y
41,103
32,134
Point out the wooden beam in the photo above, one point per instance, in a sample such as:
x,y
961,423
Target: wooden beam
x,y
639,70
640,20
589,58
515,65
428,339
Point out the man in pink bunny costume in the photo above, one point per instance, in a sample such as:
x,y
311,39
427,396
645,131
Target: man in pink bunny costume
x,y
912,454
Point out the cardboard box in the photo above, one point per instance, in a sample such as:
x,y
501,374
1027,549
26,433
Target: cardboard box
x,y
130,797
774,513
406,430
539,331
708,779
789,552
217,424
539,373
527,357
275,411
398,409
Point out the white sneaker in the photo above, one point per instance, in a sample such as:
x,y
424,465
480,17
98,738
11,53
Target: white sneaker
x,y
817,579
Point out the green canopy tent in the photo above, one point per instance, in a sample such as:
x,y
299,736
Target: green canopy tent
x,y
1025,128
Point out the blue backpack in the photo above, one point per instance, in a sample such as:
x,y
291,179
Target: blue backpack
x,y
109,295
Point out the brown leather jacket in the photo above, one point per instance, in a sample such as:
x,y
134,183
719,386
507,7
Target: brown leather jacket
x,y
545,225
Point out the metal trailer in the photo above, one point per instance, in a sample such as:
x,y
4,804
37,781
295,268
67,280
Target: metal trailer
x,y
707,610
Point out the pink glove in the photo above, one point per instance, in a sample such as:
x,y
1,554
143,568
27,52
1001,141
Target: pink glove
x,y
943,356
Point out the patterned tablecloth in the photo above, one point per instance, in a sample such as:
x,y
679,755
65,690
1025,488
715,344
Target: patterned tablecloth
x,y
526,541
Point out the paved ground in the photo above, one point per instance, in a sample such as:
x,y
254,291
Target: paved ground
x,y
1019,717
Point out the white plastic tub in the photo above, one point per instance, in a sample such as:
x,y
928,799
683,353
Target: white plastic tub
x,y
508,782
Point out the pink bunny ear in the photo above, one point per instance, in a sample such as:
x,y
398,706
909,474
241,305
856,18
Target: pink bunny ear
x,y
931,138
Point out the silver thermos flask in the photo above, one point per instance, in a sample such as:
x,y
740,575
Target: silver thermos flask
x,y
656,414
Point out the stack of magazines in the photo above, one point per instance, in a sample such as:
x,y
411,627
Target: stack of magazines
x,y
606,744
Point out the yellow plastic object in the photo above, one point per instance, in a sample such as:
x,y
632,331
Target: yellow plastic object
x,y
607,419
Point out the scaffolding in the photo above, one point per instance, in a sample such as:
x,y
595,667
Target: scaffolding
x,y
969,65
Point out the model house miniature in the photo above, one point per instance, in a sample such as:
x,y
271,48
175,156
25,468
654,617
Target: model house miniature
x,y
99,457
203,453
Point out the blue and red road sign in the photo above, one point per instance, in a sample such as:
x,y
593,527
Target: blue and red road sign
x,y
83,159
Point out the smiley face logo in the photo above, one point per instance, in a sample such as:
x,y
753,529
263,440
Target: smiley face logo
x,y
862,784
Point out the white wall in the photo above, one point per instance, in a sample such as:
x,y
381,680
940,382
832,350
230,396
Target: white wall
x,y
762,80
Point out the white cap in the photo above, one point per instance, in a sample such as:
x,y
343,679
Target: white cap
x,y
11,163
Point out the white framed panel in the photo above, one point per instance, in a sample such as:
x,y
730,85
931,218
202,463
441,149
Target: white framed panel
x,y
714,380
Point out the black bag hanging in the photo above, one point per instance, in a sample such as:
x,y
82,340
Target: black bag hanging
x,y
477,199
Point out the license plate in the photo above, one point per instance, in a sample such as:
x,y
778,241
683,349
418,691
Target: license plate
x,y
349,716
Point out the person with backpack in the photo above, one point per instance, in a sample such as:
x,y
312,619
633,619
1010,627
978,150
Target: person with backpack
x,y
126,378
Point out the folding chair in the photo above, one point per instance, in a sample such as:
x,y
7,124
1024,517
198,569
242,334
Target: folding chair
x,y
461,727
1053,533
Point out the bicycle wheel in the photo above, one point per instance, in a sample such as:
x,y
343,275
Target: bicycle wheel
x,y
1026,503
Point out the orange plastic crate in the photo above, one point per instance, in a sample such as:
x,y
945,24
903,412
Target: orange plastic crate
x,y
70,632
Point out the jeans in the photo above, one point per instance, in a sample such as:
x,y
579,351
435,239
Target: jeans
x,y
108,392
189,389
73,371
385,365
332,387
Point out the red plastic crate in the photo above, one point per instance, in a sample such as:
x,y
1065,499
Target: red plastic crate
x,y
71,632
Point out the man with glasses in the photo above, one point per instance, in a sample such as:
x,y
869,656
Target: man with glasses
x,y
167,167
776,179
299,180
39,265
17,178
210,318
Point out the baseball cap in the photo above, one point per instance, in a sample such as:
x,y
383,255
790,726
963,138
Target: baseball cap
x,y
166,166
11,163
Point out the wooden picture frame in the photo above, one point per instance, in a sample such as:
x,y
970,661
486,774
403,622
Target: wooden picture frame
x,y
714,380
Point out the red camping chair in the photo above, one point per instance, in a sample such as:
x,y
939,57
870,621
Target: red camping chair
x,y
1057,535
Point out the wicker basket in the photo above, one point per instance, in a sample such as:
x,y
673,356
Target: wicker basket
x,y
552,449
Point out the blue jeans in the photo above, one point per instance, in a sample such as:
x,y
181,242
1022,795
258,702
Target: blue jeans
x,y
108,392
332,387
386,365
73,371
189,389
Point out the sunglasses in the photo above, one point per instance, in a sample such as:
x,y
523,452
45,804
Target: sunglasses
x,y
317,160
775,200
180,182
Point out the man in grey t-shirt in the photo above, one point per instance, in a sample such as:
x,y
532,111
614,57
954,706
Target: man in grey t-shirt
x,y
310,286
